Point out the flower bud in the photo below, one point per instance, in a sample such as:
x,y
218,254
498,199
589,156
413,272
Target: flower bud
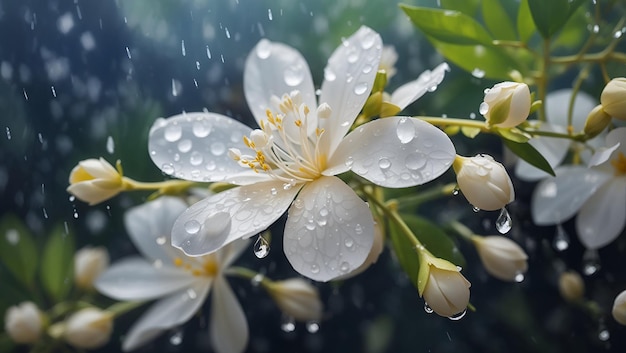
x,y
619,308
23,323
94,181
89,328
484,182
571,286
501,256
507,104
297,298
444,288
597,121
613,98
89,263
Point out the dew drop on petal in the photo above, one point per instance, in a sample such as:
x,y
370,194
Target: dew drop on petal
x,y
261,247
360,88
428,309
192,226
264,48
384,163
288,324
349,242
161,240
344,267
561,239
591,262
184,146
329,74
216,224
273,191
483,108
173,133
459,316
294,75
196,158
358,229
315,269
503,223
414,161
201,129
405,130
167,168
218,148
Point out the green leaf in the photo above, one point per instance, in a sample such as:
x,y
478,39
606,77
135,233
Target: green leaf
x,y
448,26
17,250
434,239
497,20
57,265
468,7
528,153
405,252
550,16
525,24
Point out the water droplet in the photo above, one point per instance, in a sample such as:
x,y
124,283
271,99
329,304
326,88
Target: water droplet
x,y
184,146
110,145
72,198
349,162
561,239
315,269
161,240
8,133
216,225
177,338
310,225
196,158
617,34
173,133
384,163
158,263
12,236
201,129
595,28
366,69
591,262
329,74
273,191
459,316
353,55
192,226
191,293
414,161
503,223
344,267
368,41
483,108
218,148
298,203
261,247
519,277
604,335
294,75
358,229
349,242
264,48
475,209
478,73
257,279
428,309
456,191
360,88
405,130
167,168
288,324
312,326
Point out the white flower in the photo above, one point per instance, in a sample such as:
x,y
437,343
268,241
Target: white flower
x,y
553,149
94,180
571,286
377,248
291,162
506,104
297,298
484,182
613,98
619,308
501,256
89,328
180,283
89,263
597,194
23,323
446,290
388,59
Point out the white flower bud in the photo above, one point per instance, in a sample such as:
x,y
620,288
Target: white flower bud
x,y
23,323
613,98
507,104
571,286
388,59
94,181
619,308
297,298
484,182
597,121
89,328
446,290
89,263
501,256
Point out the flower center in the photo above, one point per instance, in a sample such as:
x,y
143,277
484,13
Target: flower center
x,y
205,266
619,164
287,145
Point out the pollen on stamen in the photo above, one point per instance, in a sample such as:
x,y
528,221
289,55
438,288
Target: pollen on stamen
x,y
178,262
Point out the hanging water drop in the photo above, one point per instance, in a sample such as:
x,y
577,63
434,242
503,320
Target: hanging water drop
x,y
503,223
405,130
177,338
591,262
459,316
561,239
288,324
519,277
261,247
456,191
312,326
257,279
475,209
428,309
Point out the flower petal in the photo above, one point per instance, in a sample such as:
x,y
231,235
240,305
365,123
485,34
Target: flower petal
x,y
348,79
194,146
412,91
229,328
85,190
99,168
329,230
557,103
165,314
136,279
552,149
150,226
275,69
231,252
603,216
557,199
394,152
233,214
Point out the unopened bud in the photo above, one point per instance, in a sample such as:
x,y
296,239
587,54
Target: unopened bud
x,y
597,121
571,286
613,98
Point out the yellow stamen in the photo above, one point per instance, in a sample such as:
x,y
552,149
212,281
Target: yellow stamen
x,y
619,164
178,262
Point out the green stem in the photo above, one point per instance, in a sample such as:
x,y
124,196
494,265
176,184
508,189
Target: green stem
x,y
442,122
542,82
578,137
121,308
131,184
425,196
462,230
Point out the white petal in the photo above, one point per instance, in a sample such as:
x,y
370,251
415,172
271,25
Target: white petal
x,y
602,155
348,79
233,214
329,230
394,152
603,216
99,168
229,253
229,328
194,146
557,104
276,69
136,279
150,226
412,91
165,314
552,149
555,200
